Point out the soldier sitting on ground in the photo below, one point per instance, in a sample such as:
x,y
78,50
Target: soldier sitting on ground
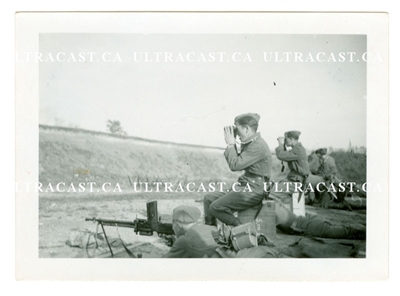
x,y
327,176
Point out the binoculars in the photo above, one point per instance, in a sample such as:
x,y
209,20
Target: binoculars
x,y
235,131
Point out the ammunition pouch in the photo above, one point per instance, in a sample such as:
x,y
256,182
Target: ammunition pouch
x,y
244,236
239,237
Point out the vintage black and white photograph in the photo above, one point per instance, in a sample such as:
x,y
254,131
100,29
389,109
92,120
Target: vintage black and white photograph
x,y
218,137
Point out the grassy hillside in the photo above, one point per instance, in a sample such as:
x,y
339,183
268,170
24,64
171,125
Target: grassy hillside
x,y
74,155
351,166
71,155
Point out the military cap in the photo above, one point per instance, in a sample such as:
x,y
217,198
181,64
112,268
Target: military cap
x,y
321,151
293,134
186,214
252,115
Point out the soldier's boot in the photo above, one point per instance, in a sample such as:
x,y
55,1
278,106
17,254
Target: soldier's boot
x,y
210,221
358,232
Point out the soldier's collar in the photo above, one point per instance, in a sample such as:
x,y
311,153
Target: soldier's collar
x,y
253,138
323,160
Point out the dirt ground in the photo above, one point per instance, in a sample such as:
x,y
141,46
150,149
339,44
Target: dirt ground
x,y
60,216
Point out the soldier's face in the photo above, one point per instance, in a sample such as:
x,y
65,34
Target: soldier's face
x,y
289,141
175,227
242,132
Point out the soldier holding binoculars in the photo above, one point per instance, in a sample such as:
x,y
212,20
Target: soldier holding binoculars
x,y
254,158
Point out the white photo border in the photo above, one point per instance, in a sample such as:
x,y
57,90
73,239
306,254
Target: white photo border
x,y
28,264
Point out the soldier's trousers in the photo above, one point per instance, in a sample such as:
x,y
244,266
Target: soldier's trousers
x,y
222,205
314,180
321,192
315,226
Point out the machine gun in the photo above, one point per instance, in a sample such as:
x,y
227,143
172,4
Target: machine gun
x,y
140,226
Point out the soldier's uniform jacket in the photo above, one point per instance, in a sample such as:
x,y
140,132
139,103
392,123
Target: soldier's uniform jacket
x,y
297,161
254,158
197,242
327,167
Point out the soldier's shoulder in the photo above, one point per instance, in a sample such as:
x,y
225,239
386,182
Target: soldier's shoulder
x,y
299,149
331,159
181,242
260,140
262,143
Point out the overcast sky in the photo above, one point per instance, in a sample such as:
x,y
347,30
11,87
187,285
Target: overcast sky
x,y
190,102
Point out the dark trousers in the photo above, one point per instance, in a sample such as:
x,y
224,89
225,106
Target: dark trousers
x,y
222,205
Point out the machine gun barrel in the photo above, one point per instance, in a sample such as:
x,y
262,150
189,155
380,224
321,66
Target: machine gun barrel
x,y
110,222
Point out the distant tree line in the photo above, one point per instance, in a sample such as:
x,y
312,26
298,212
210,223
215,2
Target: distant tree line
x,y
114,127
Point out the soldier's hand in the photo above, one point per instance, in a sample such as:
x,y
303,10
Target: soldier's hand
x,y
281,140
169,239
229,135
